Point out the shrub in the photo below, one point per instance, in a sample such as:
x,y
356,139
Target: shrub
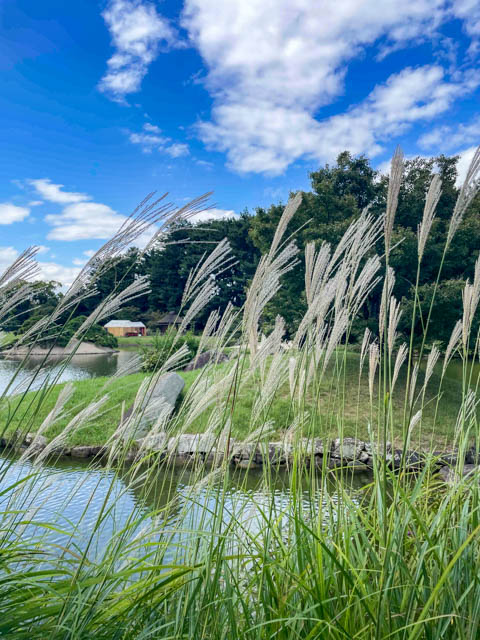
x,y
163,345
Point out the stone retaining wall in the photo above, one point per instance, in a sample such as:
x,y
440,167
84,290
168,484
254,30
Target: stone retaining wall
x,y
353,454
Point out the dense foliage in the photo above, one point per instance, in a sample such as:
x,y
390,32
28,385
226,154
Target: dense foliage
x,y
157,352
338,195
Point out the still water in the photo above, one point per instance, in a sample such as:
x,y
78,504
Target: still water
x,y
80,501
34,371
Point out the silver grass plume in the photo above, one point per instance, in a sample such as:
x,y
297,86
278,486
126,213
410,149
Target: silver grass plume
x,y
79,420
452,344
394,183
468,191
388,285
399,360
338,331
431,201
432,360
373,360
413,385
57,413
216,262
367,336
470,297
393,320
287,215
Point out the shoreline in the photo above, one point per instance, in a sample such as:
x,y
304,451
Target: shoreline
x,y
83,349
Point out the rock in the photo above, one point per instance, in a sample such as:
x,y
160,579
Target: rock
x,y
246,464
472,456
452,475
160,397
81,451
155,442
38,441
348,449
204,358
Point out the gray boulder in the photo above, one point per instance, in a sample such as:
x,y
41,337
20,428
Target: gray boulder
x,y
204,358
159,399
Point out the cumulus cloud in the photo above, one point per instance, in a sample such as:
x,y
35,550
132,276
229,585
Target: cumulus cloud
x,y
57,272
150,139
10,213
267,97
177,150
46,270
137,31
84,220
7,256
213,214
53,192
452,137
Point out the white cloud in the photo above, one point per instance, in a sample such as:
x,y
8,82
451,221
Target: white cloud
x,y
46,270
449,137
7,256
35,203
53,192
213,214
89,253
177,150
42,249
84,220
10,213
149,139
466,156
57,272
137,32
267,96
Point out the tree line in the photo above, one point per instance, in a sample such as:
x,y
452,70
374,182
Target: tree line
x,y
338,194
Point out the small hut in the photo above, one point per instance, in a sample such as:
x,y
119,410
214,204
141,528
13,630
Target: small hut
x,y
168,320
125,328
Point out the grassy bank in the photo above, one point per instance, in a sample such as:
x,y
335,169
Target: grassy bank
x,y
348,402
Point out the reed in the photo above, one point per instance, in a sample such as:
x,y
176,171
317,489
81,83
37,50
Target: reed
x,y
396,559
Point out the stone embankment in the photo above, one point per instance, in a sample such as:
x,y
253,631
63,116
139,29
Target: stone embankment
x,y
354,455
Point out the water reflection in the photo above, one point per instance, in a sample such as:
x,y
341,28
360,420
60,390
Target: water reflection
x,y
77,498
79,367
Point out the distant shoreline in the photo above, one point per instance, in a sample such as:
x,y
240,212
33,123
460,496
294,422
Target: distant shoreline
x,y
84,349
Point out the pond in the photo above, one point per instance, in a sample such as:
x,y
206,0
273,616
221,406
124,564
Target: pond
x,y
71,495
79,367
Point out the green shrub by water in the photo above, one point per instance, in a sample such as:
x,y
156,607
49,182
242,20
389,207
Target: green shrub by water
x,y
396,560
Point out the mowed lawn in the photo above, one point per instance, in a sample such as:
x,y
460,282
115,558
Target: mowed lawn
x,y
339,405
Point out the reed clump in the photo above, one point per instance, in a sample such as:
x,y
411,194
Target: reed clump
x,y
396,559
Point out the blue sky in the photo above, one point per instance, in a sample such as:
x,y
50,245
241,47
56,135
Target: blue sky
x,y
105,101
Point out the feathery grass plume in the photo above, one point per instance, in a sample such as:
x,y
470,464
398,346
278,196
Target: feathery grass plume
x,y
399,360
388,285
373,361
367,336
431,201
287,215
413,423
77,422
432,360
265,284
394,183
393,320
56,414
452,344
467,414
315,267
276,376
211,265
468,191
413,384
470,298
22,268
338,331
